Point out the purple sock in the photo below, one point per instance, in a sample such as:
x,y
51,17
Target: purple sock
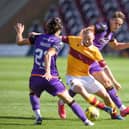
x,y
78,111
72,94
35,102
113,94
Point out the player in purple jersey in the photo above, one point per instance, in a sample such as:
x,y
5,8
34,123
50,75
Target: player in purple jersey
x,y
104,34
92,100
44,75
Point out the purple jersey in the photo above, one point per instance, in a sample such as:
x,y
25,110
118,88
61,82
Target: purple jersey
x,y
41,44
103,35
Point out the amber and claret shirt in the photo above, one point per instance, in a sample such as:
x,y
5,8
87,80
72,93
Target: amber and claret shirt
x,y
81,57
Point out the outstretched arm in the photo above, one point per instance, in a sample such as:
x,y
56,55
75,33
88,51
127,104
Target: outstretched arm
x,y
118,45
19,37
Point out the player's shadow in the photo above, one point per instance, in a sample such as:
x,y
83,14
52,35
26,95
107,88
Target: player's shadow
x,y
15,117
25,118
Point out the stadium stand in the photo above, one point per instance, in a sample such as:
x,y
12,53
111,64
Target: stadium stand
x,y
71,16
6,5
87,12
20,11
75,14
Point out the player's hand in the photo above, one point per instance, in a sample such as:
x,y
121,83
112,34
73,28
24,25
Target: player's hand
x,y
19,27
117,85
113,44
47,76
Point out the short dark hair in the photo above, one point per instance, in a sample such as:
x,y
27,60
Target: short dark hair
x,y
119,14
53,25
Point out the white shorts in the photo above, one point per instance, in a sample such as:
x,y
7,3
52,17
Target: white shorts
x,y
89,82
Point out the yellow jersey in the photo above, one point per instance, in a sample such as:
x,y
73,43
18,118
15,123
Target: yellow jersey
x,y
81,57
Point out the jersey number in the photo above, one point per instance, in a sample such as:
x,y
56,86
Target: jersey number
x,y
38,56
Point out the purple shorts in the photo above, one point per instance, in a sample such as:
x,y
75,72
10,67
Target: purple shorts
x,y
39,84
95,67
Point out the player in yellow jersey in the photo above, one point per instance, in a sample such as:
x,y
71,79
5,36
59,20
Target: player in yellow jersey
x,y
81,55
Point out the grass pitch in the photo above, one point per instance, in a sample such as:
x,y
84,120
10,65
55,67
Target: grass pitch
x,y
15,109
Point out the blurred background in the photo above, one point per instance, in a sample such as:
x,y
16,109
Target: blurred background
x,y
75,15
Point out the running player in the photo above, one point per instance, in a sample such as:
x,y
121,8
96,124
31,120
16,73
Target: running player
x,y
81,55
104,34
44,75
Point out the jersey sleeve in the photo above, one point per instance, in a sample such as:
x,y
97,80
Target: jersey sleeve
x,y
100,27
113,38
58,45
102,63
71,40
65,39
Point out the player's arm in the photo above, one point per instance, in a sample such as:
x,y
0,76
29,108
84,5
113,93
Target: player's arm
x,y
19,37
112,78
51,52
118,45
98,28
109,73
107,70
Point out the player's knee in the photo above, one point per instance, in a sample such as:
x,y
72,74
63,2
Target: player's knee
x,y
76,86
78,89
103,94
75,82
107,83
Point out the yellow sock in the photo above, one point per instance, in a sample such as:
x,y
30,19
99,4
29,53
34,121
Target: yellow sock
x,y
95,102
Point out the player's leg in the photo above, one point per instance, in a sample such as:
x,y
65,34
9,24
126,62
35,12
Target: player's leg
x,y
56,87
61,105
75,107
35,103
103,79
77,85
35,92
99,74
93,86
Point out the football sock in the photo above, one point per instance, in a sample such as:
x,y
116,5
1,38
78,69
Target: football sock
x,y
95,102
35,102
113,94
78,111
37,113
123,107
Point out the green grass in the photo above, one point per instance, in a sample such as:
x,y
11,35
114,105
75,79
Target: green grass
x,y
15,109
